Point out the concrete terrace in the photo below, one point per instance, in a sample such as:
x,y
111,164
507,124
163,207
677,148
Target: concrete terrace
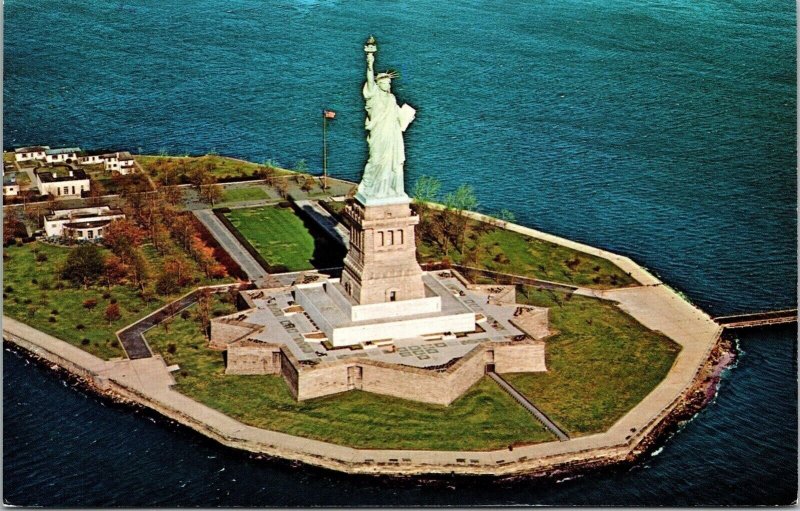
x,y
272,309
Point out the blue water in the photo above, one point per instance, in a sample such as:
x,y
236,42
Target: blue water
x,y
663,131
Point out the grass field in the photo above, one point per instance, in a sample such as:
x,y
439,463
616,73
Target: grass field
x,y
510,252
484,418
278,234
245,194
601,364
31,295
220,166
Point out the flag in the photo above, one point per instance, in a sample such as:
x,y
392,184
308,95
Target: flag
x,y
329,114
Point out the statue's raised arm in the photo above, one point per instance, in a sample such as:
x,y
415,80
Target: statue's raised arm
x,y
386,121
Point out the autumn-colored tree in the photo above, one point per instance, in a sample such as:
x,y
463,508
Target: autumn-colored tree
x,y
96,192
115,270
178,265
308,184
112,312
139,269
11,225
122,237
282,187
159,235
171,194
182,230
211,193
203,313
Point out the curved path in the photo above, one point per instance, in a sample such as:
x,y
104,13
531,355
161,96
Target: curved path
x,y
655,305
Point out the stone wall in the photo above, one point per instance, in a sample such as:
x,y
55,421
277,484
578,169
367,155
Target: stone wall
x,y
416,384
252,358
520,357
224,333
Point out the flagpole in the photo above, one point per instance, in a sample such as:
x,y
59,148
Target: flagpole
x,y
324,151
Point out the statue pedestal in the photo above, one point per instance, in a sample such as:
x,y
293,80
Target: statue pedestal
x,y
381,264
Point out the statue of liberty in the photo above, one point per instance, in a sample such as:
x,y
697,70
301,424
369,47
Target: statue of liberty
x,y
386,121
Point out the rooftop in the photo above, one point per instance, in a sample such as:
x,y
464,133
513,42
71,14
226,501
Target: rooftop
x,y
77,213
32,149
63,150
87,225
50,177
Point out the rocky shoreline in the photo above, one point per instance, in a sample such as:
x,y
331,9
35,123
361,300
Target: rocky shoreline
x,y
695,398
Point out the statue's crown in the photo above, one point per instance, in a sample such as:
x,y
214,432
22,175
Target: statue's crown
x,y
391,75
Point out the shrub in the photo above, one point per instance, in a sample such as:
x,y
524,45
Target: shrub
x,y
51,319
9,289
106,295
85,341
41,257
27,301
90,303
112,312
171,348
60,285
54,312
113,300
186,314
184,374
114,343
34,281
79,326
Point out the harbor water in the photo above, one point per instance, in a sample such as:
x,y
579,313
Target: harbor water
x,y
662,131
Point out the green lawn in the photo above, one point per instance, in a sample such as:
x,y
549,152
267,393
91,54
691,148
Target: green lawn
x,y
511,252
245,194
221,166
278,234
601,364
31,293
484,418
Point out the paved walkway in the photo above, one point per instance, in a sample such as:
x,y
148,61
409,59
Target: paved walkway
x,y
325,220
540,416
231,245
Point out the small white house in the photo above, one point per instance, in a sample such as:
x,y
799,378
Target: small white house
x,y
62,184
80,223
10,186
64,154
121,162
91,159
31,153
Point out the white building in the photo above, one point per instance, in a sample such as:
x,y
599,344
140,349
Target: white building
x,y
91,159
70,183
121,162
64,154
32,153
10,186
80,223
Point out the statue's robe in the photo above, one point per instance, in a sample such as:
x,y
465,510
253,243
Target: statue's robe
x,y
386,121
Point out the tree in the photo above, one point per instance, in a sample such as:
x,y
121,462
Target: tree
x,y
203,313
506,215
139,269
112,312
115,270
460,201
171,194
301,167
182,230
308,184
426,189
211,193
11,225
96,192
282,188
122,237
84,265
